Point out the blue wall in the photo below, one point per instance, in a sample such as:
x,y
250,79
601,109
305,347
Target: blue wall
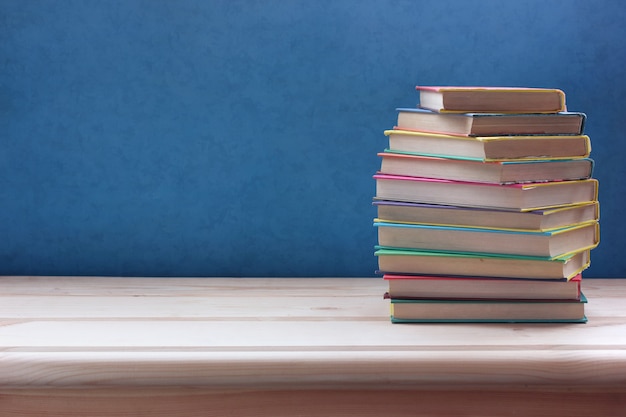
x,y
229,138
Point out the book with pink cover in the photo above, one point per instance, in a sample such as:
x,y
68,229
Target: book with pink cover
x,y
477,288
462,99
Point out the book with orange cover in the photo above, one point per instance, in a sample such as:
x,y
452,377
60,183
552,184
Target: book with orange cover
x,y
477,288
491,99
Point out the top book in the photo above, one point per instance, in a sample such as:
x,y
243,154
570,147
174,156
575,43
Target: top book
x,y
491,99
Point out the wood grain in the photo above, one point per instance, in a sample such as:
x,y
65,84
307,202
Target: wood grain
x,y
319,346
289,403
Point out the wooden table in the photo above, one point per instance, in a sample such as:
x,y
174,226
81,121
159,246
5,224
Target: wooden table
x,y
72,346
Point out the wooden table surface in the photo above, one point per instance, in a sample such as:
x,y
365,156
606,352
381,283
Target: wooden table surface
x,y
89,346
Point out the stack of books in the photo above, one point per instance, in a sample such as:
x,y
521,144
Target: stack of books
x,y
486,207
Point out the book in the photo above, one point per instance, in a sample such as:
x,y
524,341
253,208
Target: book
x,y
497,172
491,99
550,244
491,124
407,311
412,262
537,220
490,148
477,288
521,197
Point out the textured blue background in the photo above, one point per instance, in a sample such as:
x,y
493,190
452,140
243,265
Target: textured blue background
x,y
229,138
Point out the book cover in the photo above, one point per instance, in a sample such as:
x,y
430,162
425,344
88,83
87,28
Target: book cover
x,y
489,148
521,197
489,311
458,239
475,170
396,320
491,99
413,262
441,215
477,288
491,124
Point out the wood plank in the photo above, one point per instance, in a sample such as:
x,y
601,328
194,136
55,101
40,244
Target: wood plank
x,y
278,368
243,306
290,334
181,402
180,287
171,346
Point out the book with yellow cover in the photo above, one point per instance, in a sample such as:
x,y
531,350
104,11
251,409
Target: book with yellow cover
x,y
490,148
491,99
495,172
536,220
413,262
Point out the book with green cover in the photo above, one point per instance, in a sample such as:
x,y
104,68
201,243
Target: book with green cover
x,y
413,262
549,244
489,311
